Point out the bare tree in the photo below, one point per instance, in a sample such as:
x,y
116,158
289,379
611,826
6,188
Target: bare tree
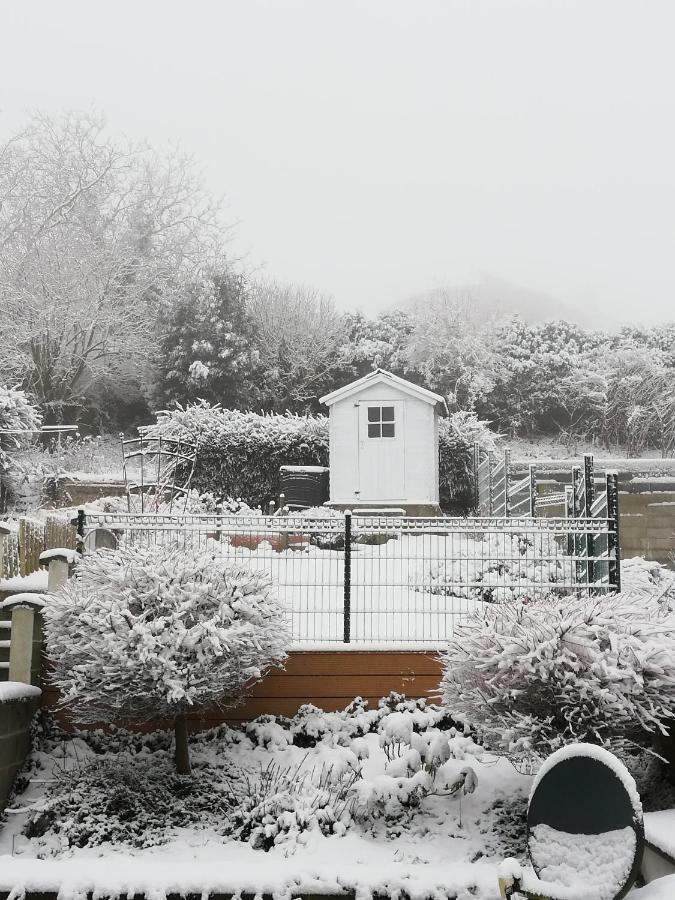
x,y
95,234
300,334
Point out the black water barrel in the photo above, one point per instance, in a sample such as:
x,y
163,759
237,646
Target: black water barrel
x,y
304,486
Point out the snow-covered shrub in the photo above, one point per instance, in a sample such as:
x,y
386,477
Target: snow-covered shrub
x,y
149,633
456,436
239,453
138,801
534,676
500,567
283,803
17,412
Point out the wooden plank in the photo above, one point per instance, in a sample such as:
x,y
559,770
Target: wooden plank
x,y
329,662
347,686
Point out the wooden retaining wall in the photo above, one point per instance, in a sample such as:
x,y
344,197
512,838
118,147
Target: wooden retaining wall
x,y
330,679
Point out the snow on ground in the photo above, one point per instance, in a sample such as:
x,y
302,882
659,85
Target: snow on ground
x,y
388,809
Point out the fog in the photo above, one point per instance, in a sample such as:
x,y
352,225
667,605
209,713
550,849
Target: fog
x,y
377,150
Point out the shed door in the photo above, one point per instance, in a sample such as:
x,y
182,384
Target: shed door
x,y
381,450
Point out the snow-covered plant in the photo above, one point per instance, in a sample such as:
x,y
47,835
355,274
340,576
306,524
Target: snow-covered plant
x,y
135,800
500,567
17,413
534,676
283,802
150,633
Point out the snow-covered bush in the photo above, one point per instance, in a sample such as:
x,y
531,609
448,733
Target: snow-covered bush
x,y
283,802
534,676
149,633
501,567
134,800
17,411
239,453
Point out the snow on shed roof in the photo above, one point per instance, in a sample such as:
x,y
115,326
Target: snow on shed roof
x,y
380,376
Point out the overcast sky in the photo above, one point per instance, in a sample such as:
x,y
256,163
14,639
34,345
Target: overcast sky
x,y
378,149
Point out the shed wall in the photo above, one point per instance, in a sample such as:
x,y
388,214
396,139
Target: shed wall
x,y
421,445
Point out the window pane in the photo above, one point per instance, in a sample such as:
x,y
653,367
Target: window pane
x,y
374,431
373,413
388,430
387,413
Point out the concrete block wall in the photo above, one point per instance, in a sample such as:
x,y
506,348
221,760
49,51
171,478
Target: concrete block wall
x,y
15,719
646,509
647,519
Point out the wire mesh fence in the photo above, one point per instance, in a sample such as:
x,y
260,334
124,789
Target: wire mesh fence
x,y
387,579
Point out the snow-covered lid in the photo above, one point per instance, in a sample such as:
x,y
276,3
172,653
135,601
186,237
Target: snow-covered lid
x,y
380,376
17,690
26,599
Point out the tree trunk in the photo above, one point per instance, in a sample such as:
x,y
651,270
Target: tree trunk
x,y
182,756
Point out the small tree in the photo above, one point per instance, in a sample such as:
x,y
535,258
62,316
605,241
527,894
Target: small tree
x,y
147,633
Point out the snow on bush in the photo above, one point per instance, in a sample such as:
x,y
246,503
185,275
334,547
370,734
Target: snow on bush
x,y
239,453
147,633
17,412
501,567
534,676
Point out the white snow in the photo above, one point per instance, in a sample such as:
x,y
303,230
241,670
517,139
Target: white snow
x,y
37,581
598,865
26,599
400,837
17,690
660,830
59,553
661,889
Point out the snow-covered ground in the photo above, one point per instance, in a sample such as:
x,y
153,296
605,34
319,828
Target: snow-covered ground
x,y
393,801
390,810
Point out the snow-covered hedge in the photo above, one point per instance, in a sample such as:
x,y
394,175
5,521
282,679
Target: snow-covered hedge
x,y
240,453
534,676
150,633
17,411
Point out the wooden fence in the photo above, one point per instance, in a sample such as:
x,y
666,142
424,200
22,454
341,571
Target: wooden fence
x,y
20,548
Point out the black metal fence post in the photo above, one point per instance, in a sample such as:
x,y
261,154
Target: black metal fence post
x,y
347,609
589,497
533,490
507,478
476,485
576,506
81,525
613,546
491,491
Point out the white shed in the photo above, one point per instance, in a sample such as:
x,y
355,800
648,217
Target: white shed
x,y
384,444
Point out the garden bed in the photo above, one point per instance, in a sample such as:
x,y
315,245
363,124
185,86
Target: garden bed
x,y
324,803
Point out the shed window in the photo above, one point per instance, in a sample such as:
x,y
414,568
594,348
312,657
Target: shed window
x,y
381,422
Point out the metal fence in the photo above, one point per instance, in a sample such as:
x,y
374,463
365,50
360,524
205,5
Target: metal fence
x,y
354,579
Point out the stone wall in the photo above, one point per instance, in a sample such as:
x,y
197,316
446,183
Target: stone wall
x,y
16,713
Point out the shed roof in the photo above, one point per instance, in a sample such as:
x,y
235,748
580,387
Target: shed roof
x,y
380,376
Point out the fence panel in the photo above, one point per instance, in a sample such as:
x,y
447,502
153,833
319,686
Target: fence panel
x,y
403,580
